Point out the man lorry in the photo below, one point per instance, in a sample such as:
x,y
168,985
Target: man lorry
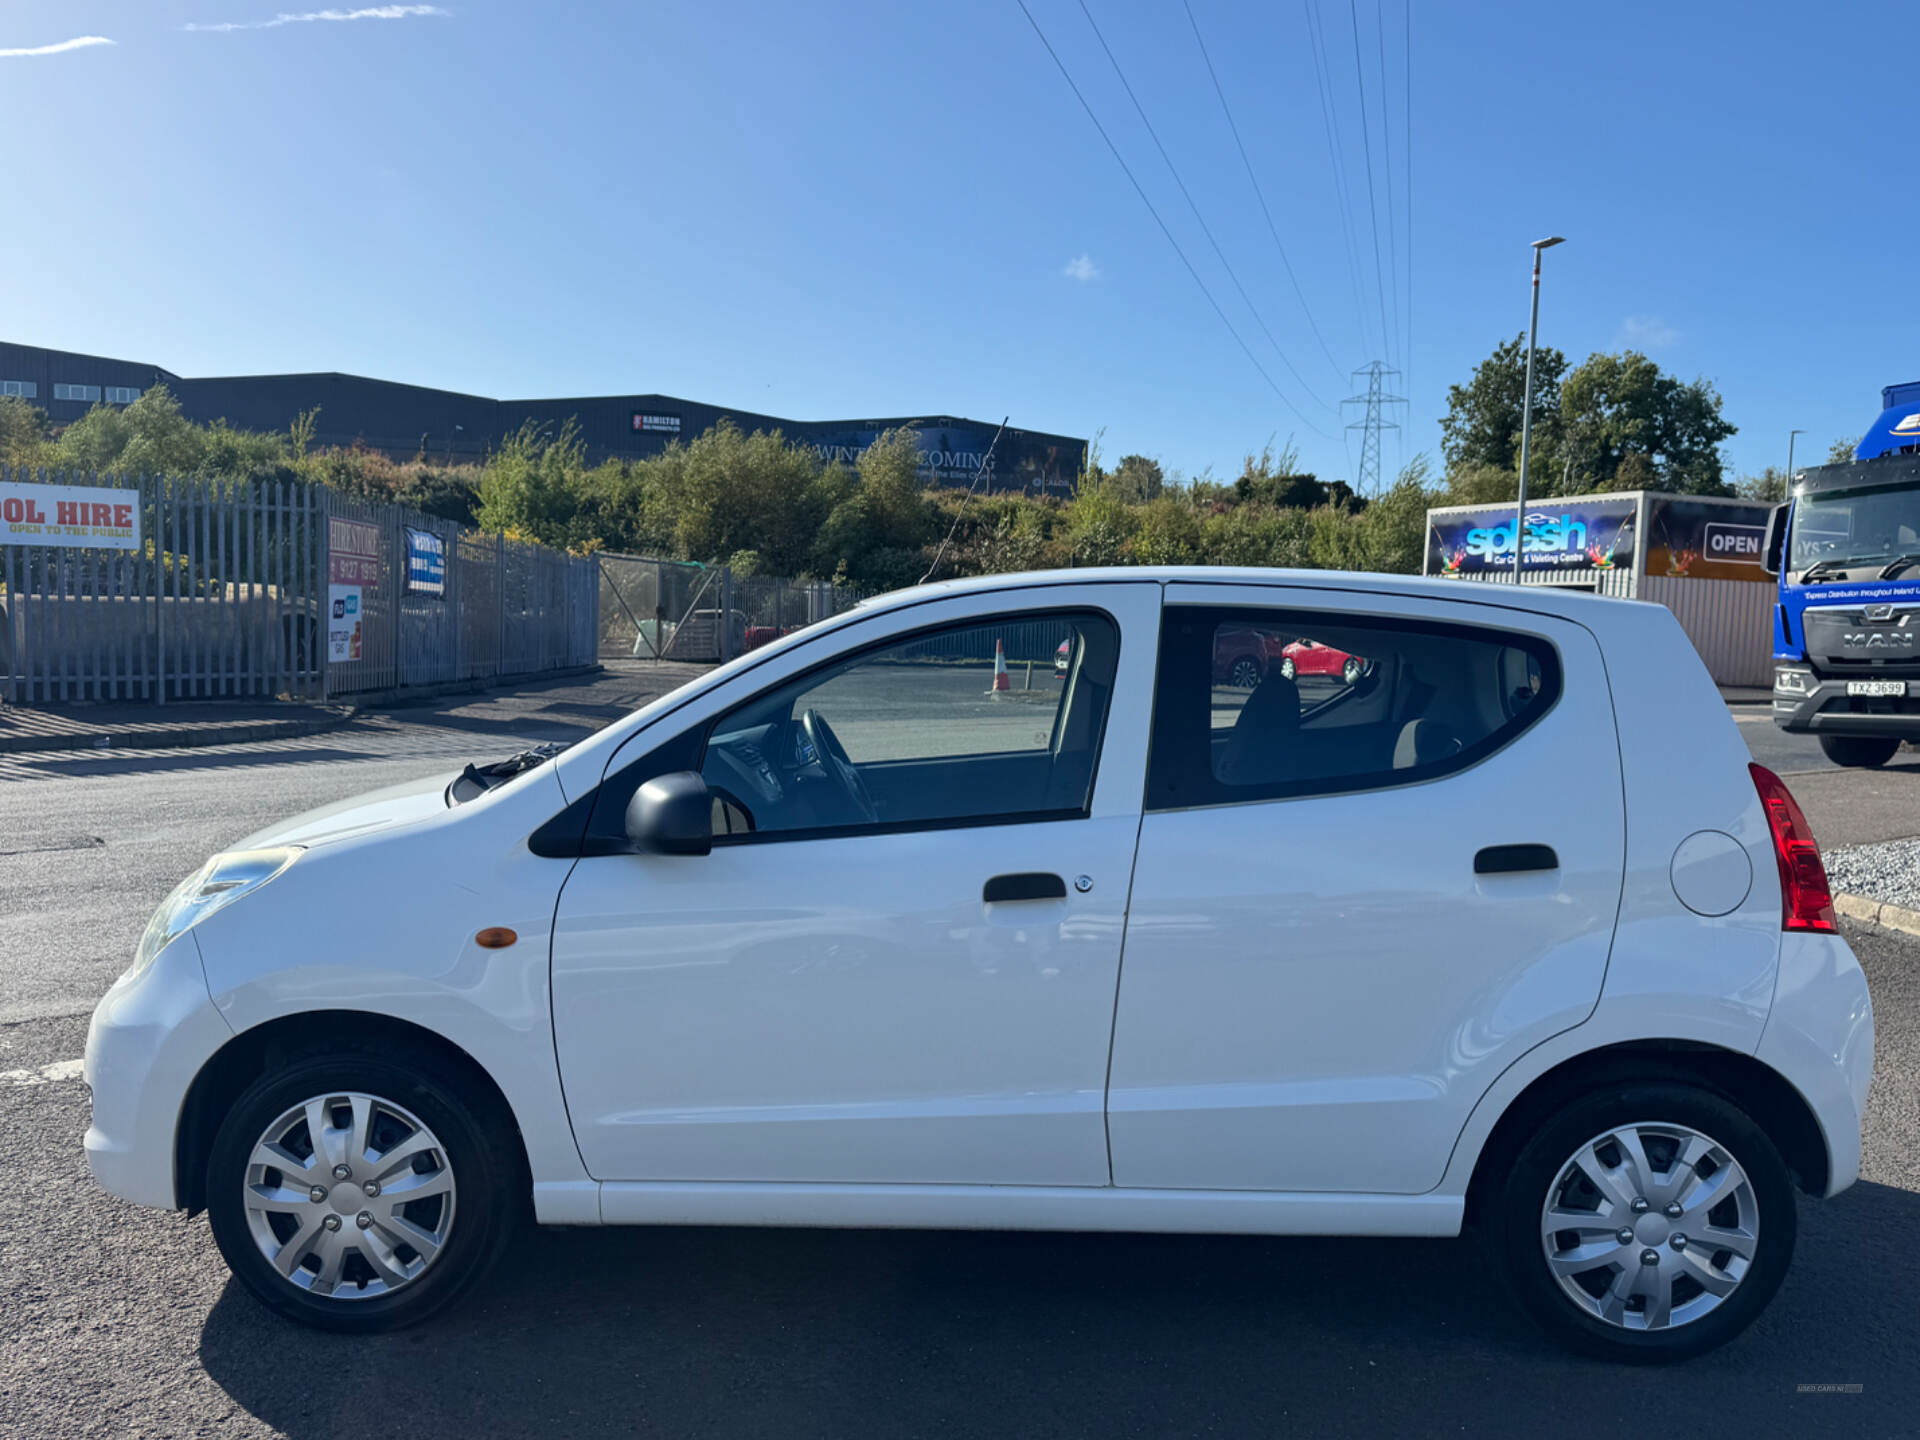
x,y
1846,630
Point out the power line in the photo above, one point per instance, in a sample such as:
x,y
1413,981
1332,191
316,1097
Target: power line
x,y
1127,170
1330,122
1373,211
1272,229
1200,220
1386,155
1406,114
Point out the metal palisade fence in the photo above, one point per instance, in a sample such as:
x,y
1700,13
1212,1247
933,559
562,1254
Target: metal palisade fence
x,y
678,610
162,588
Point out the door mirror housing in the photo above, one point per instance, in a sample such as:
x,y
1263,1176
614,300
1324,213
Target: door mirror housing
x,y
671,815
1770,552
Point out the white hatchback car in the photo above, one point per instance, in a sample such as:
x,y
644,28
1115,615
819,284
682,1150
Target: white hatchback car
x,y
863,930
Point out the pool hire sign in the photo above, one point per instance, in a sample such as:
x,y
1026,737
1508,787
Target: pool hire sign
x,y
71,516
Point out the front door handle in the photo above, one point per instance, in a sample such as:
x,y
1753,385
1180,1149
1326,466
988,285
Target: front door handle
x,y
1029,886
1514,859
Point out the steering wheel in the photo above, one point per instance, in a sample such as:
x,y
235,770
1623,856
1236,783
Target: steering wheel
x,y
833,759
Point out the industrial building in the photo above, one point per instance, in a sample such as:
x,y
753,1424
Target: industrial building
x,y
414,420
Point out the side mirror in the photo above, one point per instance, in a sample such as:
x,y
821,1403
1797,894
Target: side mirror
x,y
1770,552
671,815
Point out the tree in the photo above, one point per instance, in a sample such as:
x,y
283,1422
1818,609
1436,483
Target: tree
x,y
1272,479
1482,423
1627,425
148,437
1770,485
1138,479
1840,452
23,432
531,486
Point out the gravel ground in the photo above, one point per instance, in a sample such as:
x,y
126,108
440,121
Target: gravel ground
x,y
1889,872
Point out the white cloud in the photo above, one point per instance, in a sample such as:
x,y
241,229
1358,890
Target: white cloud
x,y
1081,268
371,12
79,42
1646,332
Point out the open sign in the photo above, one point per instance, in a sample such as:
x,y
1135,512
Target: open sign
x,y
1739,544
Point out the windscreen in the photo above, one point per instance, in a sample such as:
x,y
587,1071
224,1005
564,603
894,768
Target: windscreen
x,y
1855,526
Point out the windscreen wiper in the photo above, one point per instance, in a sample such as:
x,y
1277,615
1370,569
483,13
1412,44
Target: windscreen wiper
x,y
1820,567
478,779
1896,566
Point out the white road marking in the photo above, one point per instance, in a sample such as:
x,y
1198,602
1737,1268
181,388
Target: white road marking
x,y
45,1075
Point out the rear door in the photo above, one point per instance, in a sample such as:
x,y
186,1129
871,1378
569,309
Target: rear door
x,y
1360,893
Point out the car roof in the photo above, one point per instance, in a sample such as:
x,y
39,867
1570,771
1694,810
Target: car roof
x,y
1580,606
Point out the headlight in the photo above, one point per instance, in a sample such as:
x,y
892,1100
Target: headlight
x,y
218,883
1792,682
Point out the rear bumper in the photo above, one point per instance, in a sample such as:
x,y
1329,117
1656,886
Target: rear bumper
x,y
1819,1035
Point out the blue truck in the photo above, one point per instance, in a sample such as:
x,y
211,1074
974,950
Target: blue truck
x,y
1846,631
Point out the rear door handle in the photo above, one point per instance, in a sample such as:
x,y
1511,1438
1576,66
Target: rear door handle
x,y
1514,859
1028,886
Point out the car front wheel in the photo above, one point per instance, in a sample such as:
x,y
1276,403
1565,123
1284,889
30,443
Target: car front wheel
x,y
1287,667
354,1192
1650,1221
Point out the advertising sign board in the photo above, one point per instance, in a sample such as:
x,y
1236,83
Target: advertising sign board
x,y
343,622
1706,541
1577,536
426,563
73,516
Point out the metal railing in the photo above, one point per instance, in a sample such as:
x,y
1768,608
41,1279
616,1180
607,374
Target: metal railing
x,y
654,609
230,591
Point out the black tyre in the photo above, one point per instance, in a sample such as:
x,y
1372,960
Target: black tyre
x,y
405,1196
1649,1221
1860,750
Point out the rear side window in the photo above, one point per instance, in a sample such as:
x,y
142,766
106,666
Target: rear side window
x,y
1263,704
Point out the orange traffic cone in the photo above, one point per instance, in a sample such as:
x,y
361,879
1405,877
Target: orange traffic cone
x,y
1001,684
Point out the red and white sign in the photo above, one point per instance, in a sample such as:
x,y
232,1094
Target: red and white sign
x,y
89,517
353,552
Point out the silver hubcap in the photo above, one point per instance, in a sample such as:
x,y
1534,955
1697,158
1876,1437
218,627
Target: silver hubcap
x,y
1650,1225
349,1196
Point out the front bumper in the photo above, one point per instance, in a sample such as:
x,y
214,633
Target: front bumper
x,y
1825,708
1819,1035
148,1039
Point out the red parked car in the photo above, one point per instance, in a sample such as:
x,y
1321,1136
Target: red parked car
x,y
1310,657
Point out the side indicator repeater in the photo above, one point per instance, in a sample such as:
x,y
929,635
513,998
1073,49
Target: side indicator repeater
x,y
495,937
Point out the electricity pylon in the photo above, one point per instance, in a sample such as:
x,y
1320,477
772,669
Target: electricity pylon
x,y
1367,480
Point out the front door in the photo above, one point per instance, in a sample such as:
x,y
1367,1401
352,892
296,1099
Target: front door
x,y
1365,885
900,965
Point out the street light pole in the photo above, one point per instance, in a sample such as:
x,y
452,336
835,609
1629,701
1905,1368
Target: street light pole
x,y
1790,437
1526,412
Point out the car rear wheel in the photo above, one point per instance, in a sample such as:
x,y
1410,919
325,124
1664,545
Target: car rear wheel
x,y
1861,750
1651,1221
1350,671
357,1193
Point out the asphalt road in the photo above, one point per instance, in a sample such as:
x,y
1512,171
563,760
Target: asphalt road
x,y
115,1320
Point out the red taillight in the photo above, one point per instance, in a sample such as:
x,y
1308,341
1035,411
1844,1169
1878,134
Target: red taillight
x,y
1806,900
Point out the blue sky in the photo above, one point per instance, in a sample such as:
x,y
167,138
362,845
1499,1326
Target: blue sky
x,y
840,209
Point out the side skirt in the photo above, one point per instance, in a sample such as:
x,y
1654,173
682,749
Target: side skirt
x,y
1002,1207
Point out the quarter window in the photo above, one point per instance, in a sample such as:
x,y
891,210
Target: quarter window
x,y
975,724
1262,704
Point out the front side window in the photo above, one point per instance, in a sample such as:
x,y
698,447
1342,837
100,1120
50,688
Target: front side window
x,y
1263,704
976,724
